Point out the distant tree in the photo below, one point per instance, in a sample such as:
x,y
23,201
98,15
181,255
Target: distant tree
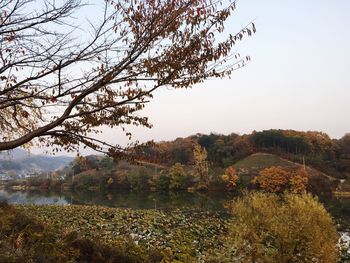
x,y
60,83
107,164
80,164
277,180
311,143
224,150
230,177
345,144
201,166
273,179
160,182
207,141
179,178
298,181
286,229
169,153
242,147
139,179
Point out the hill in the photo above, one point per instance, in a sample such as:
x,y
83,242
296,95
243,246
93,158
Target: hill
x,y
264,160
250,166
21,161
15,154
317,149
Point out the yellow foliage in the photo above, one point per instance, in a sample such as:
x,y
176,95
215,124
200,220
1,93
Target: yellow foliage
x,y
230,177
225,177
288,228
110,181
277,180
298,182
201,165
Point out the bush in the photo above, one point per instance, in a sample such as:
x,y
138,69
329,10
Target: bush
x,y
86,181
160,182
230,177
179,178
139,179
288,228
277,180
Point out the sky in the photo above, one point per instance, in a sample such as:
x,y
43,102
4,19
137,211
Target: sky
x,y
299,77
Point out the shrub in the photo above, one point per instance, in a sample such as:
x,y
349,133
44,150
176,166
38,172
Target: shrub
x,y
278,180
160,182
86,181
288,228
138,179
179,178
230,177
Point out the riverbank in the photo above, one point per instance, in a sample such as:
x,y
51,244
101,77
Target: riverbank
x,y
91,233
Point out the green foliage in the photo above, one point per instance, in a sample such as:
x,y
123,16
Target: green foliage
x,y
86,181
213,153
160,182
223,150
318,150
139,179
107,164
23,239
288,228
179,178
140,235
263,160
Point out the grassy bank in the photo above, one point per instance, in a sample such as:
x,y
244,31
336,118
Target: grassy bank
x,y
100,234
75,233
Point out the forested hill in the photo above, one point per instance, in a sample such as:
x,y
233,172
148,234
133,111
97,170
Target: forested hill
x,y
316,149
19,160
204,162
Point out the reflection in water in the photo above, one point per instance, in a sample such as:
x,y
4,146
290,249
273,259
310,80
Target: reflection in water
x,y
26,198
124,199
151,200
339,208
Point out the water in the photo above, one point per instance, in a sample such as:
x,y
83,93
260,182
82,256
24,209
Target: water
x,y
339,208
124,199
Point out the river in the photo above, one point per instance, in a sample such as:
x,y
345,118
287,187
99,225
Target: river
x,y
339,208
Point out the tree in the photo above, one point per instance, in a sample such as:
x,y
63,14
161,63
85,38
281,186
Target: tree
x,y
201,166
59,86
179,178
139,179
230,177
299,181
160,182
344,144
273,179
277,180
288,228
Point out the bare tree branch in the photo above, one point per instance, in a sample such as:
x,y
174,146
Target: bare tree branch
x,y
58,87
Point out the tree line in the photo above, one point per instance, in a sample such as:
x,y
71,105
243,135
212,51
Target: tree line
x,y
311,147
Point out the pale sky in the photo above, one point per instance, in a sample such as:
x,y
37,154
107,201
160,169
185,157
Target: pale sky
x,y
299,77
